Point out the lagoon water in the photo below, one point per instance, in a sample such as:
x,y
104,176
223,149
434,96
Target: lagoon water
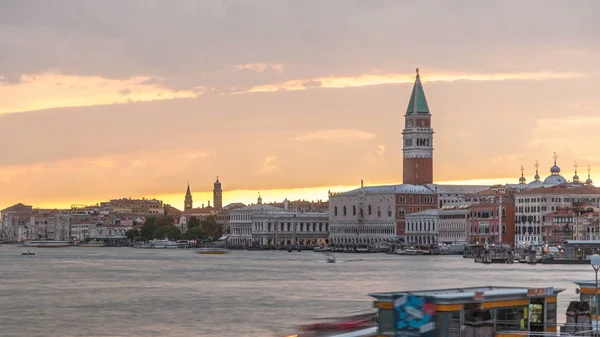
x,y
126,292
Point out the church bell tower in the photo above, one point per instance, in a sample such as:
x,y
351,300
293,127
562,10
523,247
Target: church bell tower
x,y
417,138
187,203
217,195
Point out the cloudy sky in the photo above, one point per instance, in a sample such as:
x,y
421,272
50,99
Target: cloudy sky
x,y
104,99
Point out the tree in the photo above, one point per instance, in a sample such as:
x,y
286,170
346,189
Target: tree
x,y
211,228
133,234
170,232
194,233
193,222
147,232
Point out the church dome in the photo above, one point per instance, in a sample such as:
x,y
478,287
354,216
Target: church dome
x,y
535,182
537,176
522,180
555,169
588,181
575,177
554,179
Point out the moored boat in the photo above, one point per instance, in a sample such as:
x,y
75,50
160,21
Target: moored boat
x,y
28,252
48,244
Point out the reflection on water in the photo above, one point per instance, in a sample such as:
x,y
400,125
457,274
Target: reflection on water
x,y
133,292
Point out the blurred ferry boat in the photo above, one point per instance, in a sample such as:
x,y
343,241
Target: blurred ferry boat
x,y
92,244
48,244
160,244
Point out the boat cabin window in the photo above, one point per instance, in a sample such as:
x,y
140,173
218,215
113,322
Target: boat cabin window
x,y
510,319
551,313
449,324
387,322
591,299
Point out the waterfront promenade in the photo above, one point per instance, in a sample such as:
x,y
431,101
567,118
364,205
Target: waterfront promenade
x,y
136,292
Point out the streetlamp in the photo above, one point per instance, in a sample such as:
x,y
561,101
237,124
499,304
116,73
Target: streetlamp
x,y
595,262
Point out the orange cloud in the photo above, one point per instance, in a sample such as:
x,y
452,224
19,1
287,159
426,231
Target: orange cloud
x,y
336,135
261,67
381,78
52,90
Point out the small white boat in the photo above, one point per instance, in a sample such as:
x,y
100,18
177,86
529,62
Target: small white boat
x,y
410,251
28,252
330,259
161,244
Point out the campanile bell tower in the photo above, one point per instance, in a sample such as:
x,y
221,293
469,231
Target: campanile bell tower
x,y
417,138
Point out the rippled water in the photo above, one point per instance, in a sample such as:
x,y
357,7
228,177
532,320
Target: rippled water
x,y
93,292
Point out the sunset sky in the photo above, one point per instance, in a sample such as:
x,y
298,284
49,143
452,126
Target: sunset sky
x,y
112,98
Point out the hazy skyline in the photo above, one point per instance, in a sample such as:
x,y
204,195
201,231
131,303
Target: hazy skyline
x,y
107,99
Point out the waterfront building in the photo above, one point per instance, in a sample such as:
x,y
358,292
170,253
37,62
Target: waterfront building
x,y
285,228
422,227
110,232
453,224
448,195
223,215
579,222
493,216
532,205
364,216
135,206
240,223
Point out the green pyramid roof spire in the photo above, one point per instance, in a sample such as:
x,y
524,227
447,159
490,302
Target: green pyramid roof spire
x,y
417,102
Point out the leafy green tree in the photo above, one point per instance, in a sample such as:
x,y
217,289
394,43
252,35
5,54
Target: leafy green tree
x,y
163,220
147,232
194,233
169,231
133,234
193,222
211,228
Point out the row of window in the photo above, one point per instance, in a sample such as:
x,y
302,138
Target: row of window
x,y
360,211
557,199
362,229
290,227
426,199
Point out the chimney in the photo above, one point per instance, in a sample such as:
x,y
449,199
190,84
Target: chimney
x,y
209,203
285,204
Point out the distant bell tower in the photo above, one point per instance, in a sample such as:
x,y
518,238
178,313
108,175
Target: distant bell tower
x,y
188,204
417,138
217,195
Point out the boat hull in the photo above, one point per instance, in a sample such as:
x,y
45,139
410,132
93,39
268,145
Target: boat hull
x,y
48,244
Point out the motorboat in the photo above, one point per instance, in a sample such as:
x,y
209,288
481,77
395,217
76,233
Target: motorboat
x,y
28,252
409,251
48,244
330,259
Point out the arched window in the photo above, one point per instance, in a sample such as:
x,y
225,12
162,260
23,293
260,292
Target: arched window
x,y
335,210
389,211
344,210
353,210
378,212
369,209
